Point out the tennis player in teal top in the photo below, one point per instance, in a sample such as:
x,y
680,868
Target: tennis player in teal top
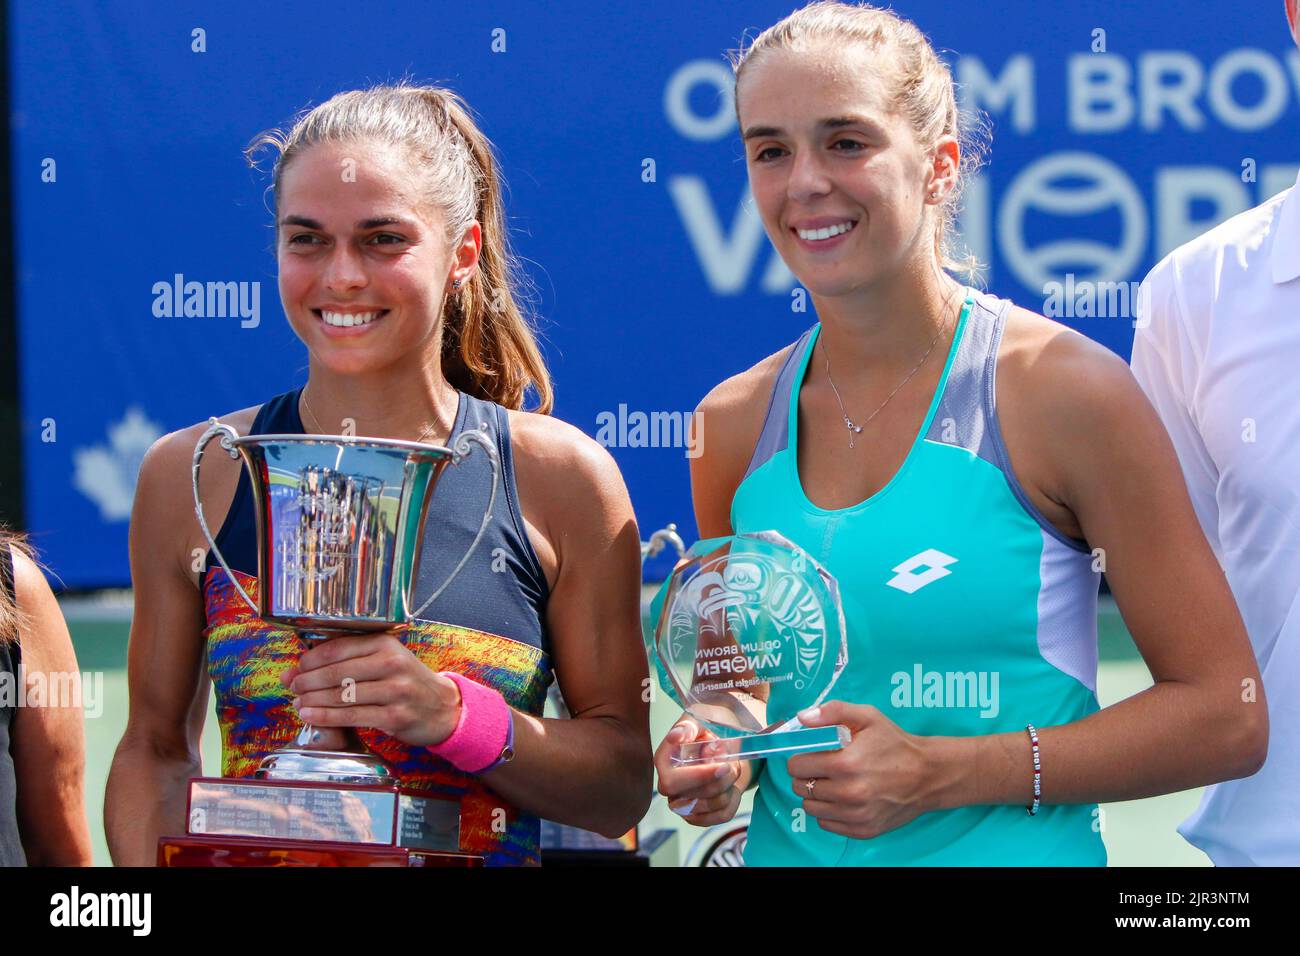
x,y
966,469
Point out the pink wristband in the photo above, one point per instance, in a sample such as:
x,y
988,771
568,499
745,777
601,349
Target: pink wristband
x,y
482,731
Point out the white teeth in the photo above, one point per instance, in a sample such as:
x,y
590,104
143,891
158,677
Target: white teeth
x,y
816,235
345,320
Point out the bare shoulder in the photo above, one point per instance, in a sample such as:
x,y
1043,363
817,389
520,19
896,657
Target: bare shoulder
x,y
163,516
1061,399
570,488
745,394
733,411
168,462
551,451
174,450
730,421
1049,366
34,598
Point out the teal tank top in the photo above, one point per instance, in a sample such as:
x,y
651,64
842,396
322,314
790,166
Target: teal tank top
x,y
967,613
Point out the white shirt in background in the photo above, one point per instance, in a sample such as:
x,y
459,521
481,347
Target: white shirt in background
x,y
1217,351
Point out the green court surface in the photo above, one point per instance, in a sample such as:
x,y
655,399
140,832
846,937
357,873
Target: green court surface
x,y
1136,833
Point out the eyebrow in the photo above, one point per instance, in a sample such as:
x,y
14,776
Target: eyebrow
x,y
834,122
361,225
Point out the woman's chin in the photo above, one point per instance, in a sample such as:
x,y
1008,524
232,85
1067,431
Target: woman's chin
x,y
834,287
330,358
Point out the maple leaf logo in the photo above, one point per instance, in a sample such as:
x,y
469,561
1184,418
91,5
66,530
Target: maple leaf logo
x,y
107,475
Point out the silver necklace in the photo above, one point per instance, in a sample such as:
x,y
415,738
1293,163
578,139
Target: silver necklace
x,y
854,428
316,422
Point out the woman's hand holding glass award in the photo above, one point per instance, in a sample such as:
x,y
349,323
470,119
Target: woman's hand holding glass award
x,y
744,634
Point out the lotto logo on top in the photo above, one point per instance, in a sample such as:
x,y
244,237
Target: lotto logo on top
x,y
906,578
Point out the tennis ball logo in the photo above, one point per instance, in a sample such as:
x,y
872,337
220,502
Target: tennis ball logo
x,y
729,851
1071,186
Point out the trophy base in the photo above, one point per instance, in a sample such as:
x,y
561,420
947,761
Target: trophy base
x,y
193,851
755,746
326,766
265,821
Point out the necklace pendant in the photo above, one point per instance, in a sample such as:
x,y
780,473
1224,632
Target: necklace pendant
x,y
853,429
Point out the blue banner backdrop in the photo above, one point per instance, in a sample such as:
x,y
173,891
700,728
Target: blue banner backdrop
x,y
1119,131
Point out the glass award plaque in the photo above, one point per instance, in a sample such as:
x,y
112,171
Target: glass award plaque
x,y
744,634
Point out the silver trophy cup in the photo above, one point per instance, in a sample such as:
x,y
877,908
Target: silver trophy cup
x,y
340,524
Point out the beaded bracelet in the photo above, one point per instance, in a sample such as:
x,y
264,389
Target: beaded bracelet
x,y
1038,770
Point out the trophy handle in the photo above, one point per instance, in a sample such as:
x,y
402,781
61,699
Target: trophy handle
x,y
227,434
460,449
659,539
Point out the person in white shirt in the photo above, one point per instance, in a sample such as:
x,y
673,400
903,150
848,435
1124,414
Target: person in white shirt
x,y
1217,350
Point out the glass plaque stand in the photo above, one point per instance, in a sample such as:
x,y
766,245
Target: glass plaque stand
x,y
754,746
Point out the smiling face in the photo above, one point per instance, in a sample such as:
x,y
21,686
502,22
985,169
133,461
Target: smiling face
x,y
840,181
364,262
